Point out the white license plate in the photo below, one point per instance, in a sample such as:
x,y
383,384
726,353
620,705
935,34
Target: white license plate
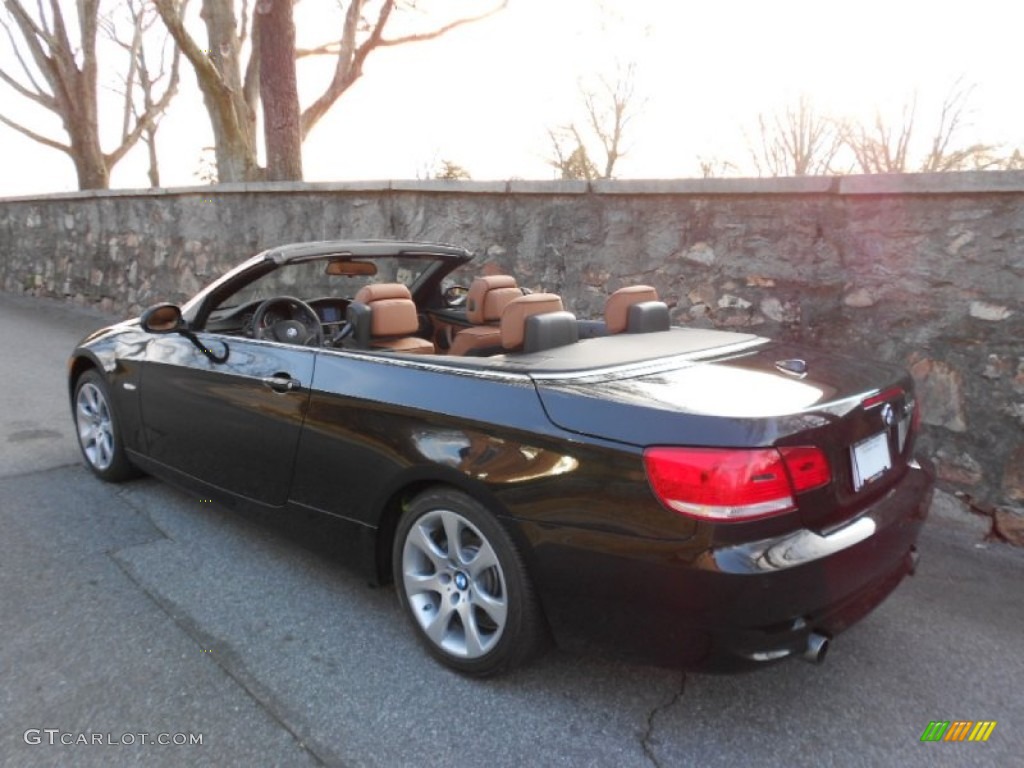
x,y
870,459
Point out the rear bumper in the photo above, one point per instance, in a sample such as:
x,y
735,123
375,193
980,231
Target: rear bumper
x,y
729,607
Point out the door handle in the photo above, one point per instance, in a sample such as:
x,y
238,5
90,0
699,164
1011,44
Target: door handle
x,y
282,382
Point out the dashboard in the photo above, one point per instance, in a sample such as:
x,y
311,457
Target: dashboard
x,y
238,320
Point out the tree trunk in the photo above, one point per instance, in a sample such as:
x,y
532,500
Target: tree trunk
x,y
282,132
233,122
154,163
81,121
91,169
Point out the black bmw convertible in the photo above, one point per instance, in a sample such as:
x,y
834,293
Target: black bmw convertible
x,y
680,496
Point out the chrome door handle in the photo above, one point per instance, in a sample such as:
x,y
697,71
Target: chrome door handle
x,y
282,382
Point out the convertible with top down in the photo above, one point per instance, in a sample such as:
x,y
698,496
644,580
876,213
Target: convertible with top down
x,y
680,496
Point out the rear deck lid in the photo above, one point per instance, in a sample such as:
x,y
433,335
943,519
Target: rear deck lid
x,y
753,393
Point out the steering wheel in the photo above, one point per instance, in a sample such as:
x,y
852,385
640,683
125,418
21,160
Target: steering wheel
x,y
306,331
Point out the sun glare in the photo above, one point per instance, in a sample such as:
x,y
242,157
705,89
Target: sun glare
x,y
486,95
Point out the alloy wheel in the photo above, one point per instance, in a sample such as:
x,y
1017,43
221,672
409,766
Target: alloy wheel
x,y
454,584
95,426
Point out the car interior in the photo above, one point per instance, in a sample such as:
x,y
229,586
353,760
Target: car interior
x,y
378,311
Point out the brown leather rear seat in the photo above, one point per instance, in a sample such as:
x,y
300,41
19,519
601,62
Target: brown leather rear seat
x,y
487,298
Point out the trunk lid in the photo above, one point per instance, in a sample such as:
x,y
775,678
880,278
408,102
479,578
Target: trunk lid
x,y
859,412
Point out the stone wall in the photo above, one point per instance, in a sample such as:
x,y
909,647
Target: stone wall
x,y
925,270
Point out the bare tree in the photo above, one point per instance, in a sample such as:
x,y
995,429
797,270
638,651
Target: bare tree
x,y
452,171
569,155
795,141
712,167
608,109
1013,161
886,146
231,97
882,147
952,114
141,80
60,72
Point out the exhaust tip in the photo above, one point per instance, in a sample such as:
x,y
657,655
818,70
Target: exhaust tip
x,y
817,647
912,558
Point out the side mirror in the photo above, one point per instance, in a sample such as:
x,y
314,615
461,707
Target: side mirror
x,y
162,318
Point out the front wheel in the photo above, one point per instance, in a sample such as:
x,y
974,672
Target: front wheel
x,y
98,430
464,586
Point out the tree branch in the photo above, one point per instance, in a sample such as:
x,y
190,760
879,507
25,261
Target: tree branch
x,y
134,52
434,34
349,61
251,81
243,30
44,100
207,74
35,136
24,65
32,35
153,110
350,58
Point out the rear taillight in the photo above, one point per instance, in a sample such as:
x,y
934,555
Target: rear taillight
x,y
729,484
808,467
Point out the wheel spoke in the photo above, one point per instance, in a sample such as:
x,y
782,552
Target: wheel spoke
x,y
104,447
474,642
453,531
84,430
419,538
437,628
484,559
417,583
93,396
84,414
493,606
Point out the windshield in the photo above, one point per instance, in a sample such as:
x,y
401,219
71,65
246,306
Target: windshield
x,y
308,280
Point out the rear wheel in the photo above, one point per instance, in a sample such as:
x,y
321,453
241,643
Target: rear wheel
x,y
98,430
463,584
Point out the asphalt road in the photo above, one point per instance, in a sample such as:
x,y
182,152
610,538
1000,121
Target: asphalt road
x,y
136,609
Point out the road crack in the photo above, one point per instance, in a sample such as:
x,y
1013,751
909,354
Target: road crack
x,y
233,666
647,741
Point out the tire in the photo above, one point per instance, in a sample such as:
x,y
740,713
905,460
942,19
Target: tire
x,y
471,605
98,430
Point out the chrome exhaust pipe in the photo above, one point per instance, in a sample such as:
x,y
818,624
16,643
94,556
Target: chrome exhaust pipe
x,y
817,647
912,558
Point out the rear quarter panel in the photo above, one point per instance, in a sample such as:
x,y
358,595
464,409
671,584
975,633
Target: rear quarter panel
x,y
375,426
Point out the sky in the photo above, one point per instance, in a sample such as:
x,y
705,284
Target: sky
x,y
485,95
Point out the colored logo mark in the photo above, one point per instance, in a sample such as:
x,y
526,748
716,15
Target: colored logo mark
x,y
958,730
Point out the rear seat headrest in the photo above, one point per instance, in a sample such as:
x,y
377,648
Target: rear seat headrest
x,y
487,297
552,329
648,317
513,317
616,310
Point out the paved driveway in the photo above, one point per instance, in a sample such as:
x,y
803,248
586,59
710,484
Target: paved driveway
x,y
136,609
